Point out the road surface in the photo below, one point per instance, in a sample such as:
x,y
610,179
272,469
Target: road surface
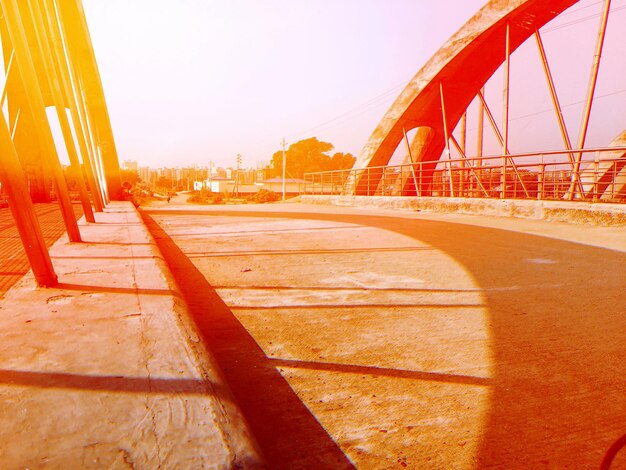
x,y
382,339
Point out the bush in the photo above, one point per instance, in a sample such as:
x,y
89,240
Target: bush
x,y
265,195
138,197
197,198
206,198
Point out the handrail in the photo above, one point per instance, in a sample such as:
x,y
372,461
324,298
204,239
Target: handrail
x,y
602,178
486,157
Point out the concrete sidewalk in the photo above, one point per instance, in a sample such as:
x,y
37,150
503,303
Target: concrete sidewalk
x,y
107,370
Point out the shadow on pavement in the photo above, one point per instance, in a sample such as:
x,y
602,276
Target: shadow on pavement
x,y
279,420
557,327
121,384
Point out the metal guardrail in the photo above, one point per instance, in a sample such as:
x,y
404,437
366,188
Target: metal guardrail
x,y
544,176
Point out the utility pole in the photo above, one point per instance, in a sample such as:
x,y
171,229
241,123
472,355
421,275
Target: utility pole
x,y
236,186
284,167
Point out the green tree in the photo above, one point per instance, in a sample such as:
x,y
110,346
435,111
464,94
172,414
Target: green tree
x,y
307,156
130,176
341,161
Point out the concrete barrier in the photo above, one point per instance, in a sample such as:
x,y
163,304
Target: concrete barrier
x,y
573,212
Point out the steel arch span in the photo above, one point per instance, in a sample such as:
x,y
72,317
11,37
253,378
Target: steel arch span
x,y
437,97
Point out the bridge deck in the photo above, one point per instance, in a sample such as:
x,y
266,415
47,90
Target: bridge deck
x,y
349,337
388,339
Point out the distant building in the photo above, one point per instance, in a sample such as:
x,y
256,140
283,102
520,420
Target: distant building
x,y
293,186
144,173
239,181
130,165
262,173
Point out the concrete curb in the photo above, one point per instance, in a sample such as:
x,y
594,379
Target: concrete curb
x,y
107,369
603,214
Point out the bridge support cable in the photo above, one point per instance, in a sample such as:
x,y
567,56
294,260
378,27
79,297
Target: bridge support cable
x,y
471,167
555,99
505,108
480,123
505,157
462,147
556,104
447,138
91,143
590,94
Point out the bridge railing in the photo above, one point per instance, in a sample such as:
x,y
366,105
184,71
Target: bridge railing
x,y
554,175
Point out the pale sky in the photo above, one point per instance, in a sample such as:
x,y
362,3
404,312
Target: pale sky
x,y
193,81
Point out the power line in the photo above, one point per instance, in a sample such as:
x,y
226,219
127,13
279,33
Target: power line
x,y
568,105
381,98
384,96
358,110
570,12
581,20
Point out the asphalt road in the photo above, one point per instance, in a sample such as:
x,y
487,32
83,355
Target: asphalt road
x,y
382,339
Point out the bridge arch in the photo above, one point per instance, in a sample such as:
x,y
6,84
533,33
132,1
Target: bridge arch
x,y
456,72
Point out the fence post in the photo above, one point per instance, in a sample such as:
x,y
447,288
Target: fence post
x,y
384,181
613,180
596,167
421,184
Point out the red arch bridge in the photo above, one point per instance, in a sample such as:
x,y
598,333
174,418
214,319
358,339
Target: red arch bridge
x,y
421,147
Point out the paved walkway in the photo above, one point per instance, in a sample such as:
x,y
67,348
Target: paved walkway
x,y
106,370
389,340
